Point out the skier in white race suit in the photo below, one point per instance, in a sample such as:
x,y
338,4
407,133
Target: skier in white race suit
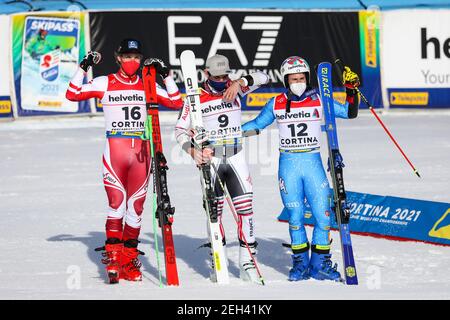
x,y
221,114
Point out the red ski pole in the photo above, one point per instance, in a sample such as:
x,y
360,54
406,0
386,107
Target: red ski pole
x,y
339,63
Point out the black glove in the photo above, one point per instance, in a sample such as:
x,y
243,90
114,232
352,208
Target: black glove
x,y
159,65
90,59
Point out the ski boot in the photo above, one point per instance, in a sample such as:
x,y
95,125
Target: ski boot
x,y
247,267
130,265
112,257
300,267
321,267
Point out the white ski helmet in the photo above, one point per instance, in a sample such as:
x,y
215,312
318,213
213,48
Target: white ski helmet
x,y
293,65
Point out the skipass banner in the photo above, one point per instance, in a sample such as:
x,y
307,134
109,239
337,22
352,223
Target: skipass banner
x,y
251,40
46,51
416,58
394,217
5,99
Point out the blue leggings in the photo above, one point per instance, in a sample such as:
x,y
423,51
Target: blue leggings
x,y
302,175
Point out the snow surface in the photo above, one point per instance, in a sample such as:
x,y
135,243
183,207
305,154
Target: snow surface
x,y
53,209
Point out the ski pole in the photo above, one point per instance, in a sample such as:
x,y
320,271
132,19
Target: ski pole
x,y
233,210
339,63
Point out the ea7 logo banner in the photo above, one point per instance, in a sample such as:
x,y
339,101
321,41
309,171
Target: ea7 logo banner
x,y
251,40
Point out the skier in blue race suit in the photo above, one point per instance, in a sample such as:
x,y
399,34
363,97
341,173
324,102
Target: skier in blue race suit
x,y
299,116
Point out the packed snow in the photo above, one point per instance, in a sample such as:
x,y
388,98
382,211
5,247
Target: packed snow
x,y
53,210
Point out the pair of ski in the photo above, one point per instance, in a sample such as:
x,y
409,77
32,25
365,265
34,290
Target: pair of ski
x,y
162,209
335,163
200,141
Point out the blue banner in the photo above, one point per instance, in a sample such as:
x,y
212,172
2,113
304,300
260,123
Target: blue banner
x,y
393,217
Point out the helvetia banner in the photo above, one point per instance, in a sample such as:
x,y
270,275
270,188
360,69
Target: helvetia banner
x,y
46,54
252,40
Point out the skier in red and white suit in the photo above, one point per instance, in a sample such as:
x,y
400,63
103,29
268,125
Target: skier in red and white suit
x,y
126,159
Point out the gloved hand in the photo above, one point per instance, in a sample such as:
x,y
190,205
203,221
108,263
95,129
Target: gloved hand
x,y
351,79
160,66
90,59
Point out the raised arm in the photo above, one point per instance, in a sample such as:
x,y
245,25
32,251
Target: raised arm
x,y
96,88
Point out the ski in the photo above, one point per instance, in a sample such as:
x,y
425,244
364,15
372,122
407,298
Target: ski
x,y
335,163
200,140
164,210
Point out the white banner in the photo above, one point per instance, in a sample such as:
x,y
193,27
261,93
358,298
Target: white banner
x,y
5,70
5,75
415,48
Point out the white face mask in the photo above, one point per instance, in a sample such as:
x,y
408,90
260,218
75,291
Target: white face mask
x,y
298,88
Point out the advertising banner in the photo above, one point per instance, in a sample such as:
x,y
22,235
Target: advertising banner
x,y
5,74
46,50
416,58
369,28
252,40
394,217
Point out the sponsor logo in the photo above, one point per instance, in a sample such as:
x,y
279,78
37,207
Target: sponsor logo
x,y
108,177
259,99
441,228
325,85
5,106
282,185
292,205
218,107
132,44
299,115
371,25
54,104
123,98
350,271
409,98
435,44
49,65
269,25
61,26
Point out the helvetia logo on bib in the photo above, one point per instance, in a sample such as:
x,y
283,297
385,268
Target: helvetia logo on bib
x,y
441,228
49,65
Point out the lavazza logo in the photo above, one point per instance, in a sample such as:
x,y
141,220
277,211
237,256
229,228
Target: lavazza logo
x,y
259,60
